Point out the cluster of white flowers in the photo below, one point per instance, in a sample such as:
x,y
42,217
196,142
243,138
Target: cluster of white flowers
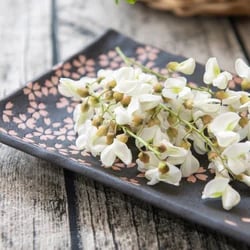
x,y
168,120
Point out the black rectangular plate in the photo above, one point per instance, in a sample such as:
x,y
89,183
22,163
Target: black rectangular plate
x,y
38,121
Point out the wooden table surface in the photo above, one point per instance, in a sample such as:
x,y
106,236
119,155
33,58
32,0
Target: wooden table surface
x,y
43,206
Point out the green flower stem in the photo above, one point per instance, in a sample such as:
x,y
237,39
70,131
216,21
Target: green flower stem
x,y
192,128
130,61
147,145
202,89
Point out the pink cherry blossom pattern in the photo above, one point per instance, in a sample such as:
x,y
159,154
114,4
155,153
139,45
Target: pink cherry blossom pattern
x,y
7,113
147,53
199,175
245,219
33,90
37,110
73,150
65,102
130,181
20,120
110,60
43,134
84,66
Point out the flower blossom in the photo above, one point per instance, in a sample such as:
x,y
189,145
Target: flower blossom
x,y
187,67
219,187
243,70
223,128
214,76
116,149
176,87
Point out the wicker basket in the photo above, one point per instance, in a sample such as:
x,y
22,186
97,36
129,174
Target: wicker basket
x,y
202,7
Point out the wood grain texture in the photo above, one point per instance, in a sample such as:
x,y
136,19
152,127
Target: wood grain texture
x,y
242,28
107,219
33,204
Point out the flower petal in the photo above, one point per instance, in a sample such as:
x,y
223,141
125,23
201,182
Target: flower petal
x,y
173,176
212,70
230,198
242,69
122,151
215,188
108,156
190,165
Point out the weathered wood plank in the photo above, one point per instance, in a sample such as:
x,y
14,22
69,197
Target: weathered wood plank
x,y
107,218
33,204
243,31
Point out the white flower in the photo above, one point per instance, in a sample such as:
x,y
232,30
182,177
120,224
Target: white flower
x,y
130,83
187,67
219,187
190,165
172,176
199,144
210,105
152,162
176,88
122,115
80,117
116,149
242,69
148,101
222,127
87,139
71,88
237,156
176,155
152,135
214,76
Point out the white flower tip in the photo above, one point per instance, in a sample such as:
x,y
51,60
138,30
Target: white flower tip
x,y
242,69
187,67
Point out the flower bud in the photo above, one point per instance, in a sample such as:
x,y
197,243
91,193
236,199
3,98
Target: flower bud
x,y
188,104
206,119
102,131
84,107
157,87
97,121
245,84
126,100
111,84
110,138
212,155
244,99
243,121
123,138
137,120
185,144
117,96
172,66
144,157
93,101
162,148
153,122
83,92
221,95
163,167
172,119
109,95
172,132
165,99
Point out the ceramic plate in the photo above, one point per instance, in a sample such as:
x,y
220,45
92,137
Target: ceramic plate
x,y
38,120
